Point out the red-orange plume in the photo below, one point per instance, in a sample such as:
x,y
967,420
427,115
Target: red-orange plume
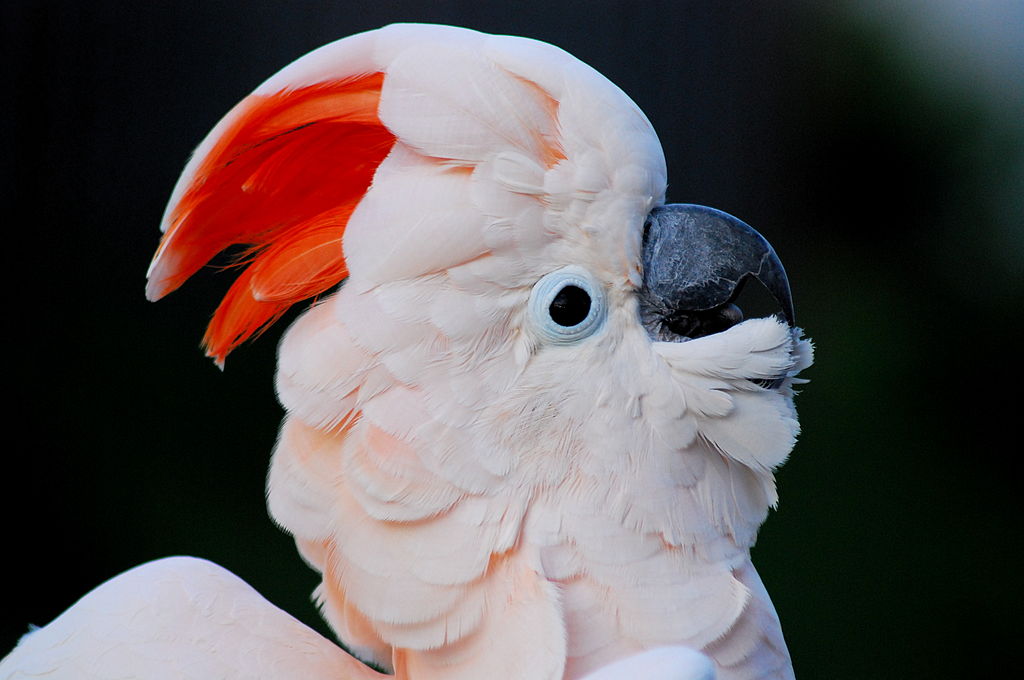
x,y
282,179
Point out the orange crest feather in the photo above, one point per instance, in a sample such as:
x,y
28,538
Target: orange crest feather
x,y
282,180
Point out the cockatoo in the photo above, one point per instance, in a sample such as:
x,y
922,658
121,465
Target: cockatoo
x,y
529,436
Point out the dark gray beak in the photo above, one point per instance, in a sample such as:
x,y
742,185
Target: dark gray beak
x,y
696,260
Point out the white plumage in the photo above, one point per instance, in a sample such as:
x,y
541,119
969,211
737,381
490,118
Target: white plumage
x,y
179,618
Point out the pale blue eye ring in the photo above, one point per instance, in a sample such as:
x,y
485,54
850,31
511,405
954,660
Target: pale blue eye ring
x,y
567,305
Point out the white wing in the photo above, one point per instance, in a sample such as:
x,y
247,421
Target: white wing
x,y
179,618
664,663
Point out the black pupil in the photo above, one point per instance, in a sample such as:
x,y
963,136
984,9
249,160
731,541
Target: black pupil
x,y
570,306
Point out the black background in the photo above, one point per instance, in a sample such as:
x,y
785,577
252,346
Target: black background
x,y
880,150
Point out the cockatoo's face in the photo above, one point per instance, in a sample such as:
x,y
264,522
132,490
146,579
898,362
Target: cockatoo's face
x,y
534,369
619,354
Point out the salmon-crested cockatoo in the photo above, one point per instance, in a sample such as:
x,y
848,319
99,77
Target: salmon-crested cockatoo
x,y
529,436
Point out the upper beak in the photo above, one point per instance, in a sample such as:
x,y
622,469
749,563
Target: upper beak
x,y
695,262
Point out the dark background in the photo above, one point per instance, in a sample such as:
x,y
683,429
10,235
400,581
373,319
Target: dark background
x,y
879,146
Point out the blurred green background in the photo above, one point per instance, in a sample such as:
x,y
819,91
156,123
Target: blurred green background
x,y
878,145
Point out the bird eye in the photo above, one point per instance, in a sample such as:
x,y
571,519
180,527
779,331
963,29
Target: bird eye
x,y
570,306
567,305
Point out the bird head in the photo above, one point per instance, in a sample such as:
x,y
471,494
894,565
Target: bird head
x,y
519,308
